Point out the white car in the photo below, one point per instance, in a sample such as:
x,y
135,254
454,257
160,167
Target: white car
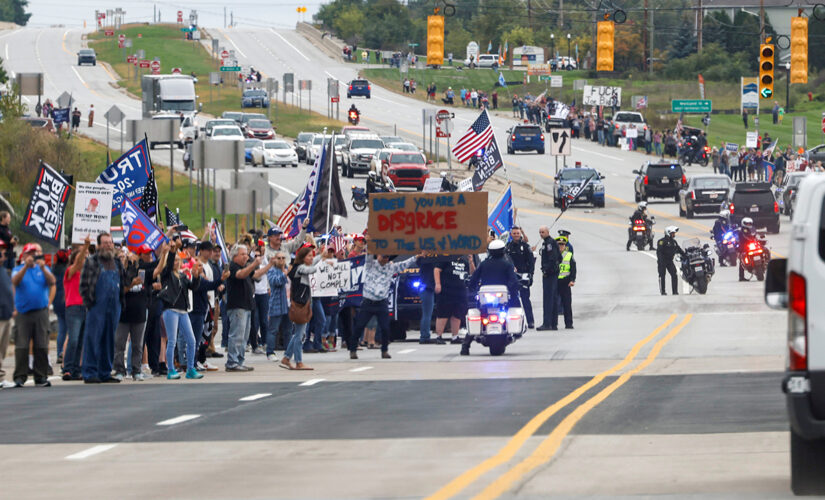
x,y
315,150
406,146
274,153
226,133
378,159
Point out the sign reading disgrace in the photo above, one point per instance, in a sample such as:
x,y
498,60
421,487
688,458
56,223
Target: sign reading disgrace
x,y
446,223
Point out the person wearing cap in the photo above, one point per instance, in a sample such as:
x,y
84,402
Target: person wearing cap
x,y
566,234
550,258
33,288
6,310
103,283
496,269
359,246
524,261
275,243
567,279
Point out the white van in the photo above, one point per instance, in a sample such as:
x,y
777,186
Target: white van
x,y
798,285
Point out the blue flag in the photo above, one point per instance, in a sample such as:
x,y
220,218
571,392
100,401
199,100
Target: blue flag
x,y
60,115
501,81
307,199
129,174
501,217
139,228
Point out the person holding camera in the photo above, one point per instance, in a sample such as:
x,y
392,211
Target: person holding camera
x,y
33,289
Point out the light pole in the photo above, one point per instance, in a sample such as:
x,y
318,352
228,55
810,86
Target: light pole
x,y
553,48
568,51
788,88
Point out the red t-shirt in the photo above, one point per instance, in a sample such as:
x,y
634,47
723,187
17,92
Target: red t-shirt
x,y
72,289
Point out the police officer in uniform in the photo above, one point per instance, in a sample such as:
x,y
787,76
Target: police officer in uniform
x,y
567,279
566,234
525,263
495,270
550,258
666,249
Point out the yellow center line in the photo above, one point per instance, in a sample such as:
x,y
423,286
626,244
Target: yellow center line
x,y
547,449
517,441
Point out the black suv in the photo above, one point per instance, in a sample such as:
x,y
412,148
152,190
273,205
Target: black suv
x,y
704,193
86,56
754,200
659,180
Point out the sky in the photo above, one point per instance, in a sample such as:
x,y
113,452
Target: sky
x,y
259,13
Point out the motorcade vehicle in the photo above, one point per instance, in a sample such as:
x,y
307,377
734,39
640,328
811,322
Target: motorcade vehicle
x,y
754,257
226,133
703,194
568,182
786,189
754,200
525,138
233,115
254,98
696,264
359,88
642,234
274,153
208,126
796,284
658,180
354,117
494,322
86,56
260,129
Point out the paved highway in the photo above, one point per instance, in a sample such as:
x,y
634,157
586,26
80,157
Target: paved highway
x,y
649,395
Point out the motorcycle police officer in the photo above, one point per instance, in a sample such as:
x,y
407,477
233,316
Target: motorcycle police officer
x,y
525,263
640,213
666,249
746,234
550,258
496,269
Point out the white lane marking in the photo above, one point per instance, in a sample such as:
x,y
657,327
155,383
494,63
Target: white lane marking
x,y
256,396
285,190
7,52
287,42
78,75
233,43
312,381
609,157
406,351
94,450
652,256
361,369
340,83
178,420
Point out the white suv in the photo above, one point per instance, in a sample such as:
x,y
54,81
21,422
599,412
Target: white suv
x,y
798,285
487,61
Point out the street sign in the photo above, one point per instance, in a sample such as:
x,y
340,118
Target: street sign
x,y
444,128
334,99
127,43
560,142
443,114
120,44
413,44
180,16
144,63
141,54
121,37
114,115
556,81
224,54
691,106
289,82
230,68
65,100
544,78
155,65
188,30
176,71
214,78
109,33
751,139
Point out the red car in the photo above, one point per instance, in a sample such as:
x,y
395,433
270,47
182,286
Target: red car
x,y
260,129
407,169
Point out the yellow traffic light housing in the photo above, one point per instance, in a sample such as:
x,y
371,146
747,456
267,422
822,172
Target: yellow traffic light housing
x,y
766,66
604,46
435,40
799,50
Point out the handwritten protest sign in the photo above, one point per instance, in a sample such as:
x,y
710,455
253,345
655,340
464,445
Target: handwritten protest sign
x,y
92,210
446,223
329,279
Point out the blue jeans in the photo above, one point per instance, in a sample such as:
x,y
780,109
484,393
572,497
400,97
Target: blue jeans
x,y
175,323
224,325
317,324
294,347
273,324
61,330
658,146
75,322
427,301
239,321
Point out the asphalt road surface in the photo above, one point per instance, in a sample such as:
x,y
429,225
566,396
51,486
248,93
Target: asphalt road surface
x,y
648,395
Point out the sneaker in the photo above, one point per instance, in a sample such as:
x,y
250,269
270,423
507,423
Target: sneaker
x,y
43,383
236,368
248,348
5,384
385,355
272,357
140,377
245,368
200,367
259,350
118,376
216,354
210,367
455,340
465,351
192,373
440,341
173,375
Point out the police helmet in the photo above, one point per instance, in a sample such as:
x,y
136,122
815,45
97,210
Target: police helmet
x,y
496,248
671,231
564,232
643,205
747,223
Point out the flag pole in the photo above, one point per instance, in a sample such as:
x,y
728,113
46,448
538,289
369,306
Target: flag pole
x,y
329,187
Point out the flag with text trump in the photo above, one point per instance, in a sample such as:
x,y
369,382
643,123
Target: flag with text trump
x,y
129,174
478,136
501,217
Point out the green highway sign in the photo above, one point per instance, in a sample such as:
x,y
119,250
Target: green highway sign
x,y
544,78
230,68
690,106
413,44
188,30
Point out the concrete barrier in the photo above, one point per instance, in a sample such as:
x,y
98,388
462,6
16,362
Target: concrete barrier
x,y
332,46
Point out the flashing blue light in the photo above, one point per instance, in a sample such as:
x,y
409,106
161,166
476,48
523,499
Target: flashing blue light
x,y
416,284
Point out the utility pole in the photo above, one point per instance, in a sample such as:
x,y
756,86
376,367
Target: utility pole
x,y
700,17
224,17
529,14
561,13
761,21
645,55
652,30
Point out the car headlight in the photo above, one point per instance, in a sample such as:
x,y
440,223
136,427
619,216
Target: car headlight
x,y
599,187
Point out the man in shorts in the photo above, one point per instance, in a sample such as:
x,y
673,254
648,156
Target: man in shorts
x,y
451,295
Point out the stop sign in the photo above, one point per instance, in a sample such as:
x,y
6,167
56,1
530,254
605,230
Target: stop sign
x,y
224,54
155,66
121,37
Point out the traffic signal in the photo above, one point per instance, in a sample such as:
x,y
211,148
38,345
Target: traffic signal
x,y
435,40
766,55
799,50
604,46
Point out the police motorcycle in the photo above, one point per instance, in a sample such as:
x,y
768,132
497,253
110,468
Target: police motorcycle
x,y
642,235
447,184
494,323
354,115
697,265
693,153
754,256
360,196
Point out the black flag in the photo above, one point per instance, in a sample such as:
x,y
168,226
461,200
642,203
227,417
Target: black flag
x,y
44,215
487,165
329,190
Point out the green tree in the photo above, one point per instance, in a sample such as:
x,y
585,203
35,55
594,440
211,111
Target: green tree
x,y
10,105
684,44
518,36
14,11
4,77
350,24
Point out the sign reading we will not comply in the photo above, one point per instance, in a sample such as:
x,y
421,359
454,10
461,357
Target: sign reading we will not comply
x,y
445,223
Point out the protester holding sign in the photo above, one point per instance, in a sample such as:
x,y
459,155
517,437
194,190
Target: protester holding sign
x,y
75,312
278,307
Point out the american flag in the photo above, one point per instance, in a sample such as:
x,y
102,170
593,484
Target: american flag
x,y
678,128
149,201
336,241
173,219
478,136
286,218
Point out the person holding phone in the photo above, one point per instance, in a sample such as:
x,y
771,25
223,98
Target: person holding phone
x,y
75,312
132,322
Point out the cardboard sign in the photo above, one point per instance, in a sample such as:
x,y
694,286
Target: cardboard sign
x,y
447,223
329,279
733,148
751,139
432,185
631,133
92,210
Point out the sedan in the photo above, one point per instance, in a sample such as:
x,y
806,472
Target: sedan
x,y
260,129
276,152
207,128
254,98
408,169
302,143
391,139
248,144
226,133
406,146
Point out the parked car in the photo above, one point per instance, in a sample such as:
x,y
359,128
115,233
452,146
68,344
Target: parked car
x,y
785,191
408,169
754,200
260,129
630,119
659,180
233,115
797,284
226,133
563,62
815,154
37,122
358,153
525,138
360,88
302,143
86,56
704,194
274,153
569,179
406,146
254,98
487,61
248,144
